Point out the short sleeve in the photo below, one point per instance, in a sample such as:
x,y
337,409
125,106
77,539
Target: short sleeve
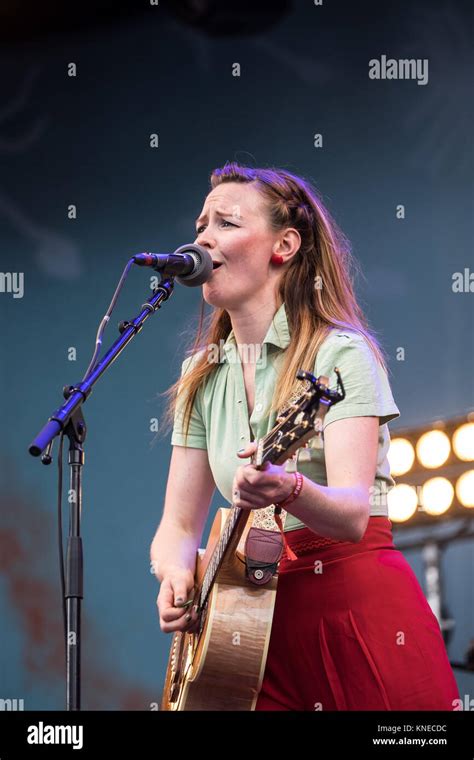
x,y
366,384
197,430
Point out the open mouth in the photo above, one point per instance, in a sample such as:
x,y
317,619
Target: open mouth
x,y
216,264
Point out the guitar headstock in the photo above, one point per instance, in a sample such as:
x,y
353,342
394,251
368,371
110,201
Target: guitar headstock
x,y
302,421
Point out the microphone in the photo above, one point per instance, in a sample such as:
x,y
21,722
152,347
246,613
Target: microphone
x,y
191,262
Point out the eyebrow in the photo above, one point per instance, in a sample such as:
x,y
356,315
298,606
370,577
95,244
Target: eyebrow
x,y
219,212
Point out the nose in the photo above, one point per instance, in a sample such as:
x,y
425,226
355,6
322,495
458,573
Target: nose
x,y
205,239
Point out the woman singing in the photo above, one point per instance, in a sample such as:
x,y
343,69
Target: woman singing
x,y
352,629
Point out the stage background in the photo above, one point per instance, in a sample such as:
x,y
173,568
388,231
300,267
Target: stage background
x,y
85,140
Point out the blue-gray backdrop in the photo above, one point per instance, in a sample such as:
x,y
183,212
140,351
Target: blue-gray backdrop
x,y
84,140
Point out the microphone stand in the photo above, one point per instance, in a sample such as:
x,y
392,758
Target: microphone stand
x,y
69,418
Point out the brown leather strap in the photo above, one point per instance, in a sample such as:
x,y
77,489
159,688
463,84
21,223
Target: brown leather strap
x,y
263,550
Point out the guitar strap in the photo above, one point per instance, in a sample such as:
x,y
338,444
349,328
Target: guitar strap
x,y
266,539
263,550
264,545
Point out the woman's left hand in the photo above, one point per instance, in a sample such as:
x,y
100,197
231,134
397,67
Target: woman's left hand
x,y
257,489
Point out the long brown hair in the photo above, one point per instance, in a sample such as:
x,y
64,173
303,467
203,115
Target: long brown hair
x,y
316,287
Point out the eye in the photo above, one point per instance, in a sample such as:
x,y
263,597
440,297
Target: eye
x,y
202,227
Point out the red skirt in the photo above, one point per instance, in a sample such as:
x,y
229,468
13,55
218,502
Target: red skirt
x,y
352,630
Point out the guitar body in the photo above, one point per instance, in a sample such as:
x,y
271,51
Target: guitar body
x,y
222,667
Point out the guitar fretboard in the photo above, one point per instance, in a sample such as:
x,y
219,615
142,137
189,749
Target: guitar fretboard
x,y
218,554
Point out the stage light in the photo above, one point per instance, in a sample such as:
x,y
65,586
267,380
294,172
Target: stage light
x,y
463,442
433,449
437,496
402,502
401,456
465,489
442,472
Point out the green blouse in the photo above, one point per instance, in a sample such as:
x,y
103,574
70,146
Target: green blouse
x,y
220,421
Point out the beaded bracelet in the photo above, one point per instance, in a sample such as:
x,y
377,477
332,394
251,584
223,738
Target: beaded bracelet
x,y
294,494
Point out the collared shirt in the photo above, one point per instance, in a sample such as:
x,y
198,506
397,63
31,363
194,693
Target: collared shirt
x,y
220,422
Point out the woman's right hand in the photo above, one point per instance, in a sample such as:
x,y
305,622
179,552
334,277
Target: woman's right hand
x,y
177,587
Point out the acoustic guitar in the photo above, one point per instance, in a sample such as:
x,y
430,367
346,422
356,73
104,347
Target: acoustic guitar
x,y
220,665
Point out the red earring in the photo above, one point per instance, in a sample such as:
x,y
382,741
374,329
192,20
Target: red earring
x,y
276,259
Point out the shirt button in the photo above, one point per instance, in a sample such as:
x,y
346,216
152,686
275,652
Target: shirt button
x,y
258,407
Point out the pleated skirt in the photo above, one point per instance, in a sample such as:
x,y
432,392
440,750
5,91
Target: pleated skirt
x,y
352,630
